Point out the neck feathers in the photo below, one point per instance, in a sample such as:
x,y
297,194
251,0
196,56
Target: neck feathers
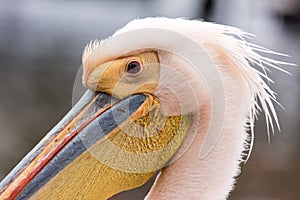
x,y
212,175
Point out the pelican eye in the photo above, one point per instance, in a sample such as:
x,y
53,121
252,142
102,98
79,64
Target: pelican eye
x,y
133,68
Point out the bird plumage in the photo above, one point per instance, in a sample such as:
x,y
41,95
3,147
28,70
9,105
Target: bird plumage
x,y
245,88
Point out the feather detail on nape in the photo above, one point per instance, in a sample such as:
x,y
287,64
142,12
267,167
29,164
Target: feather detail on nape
x,y
246,56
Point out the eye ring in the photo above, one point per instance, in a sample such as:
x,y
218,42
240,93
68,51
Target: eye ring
x,y
133,68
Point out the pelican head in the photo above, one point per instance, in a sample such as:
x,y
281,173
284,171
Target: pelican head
x,y
169,95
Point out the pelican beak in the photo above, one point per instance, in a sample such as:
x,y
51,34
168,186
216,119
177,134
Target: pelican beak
x,y
101,147
93,118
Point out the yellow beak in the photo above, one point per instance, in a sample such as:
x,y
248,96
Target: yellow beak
x,y
83,156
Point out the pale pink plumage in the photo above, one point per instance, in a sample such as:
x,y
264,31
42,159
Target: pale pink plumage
x,y
225,88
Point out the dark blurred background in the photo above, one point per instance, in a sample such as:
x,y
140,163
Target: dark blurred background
x,y
40,52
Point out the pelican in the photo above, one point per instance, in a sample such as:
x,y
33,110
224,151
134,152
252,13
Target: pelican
x,y
173,96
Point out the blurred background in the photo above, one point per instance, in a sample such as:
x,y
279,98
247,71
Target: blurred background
x,y
41,43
